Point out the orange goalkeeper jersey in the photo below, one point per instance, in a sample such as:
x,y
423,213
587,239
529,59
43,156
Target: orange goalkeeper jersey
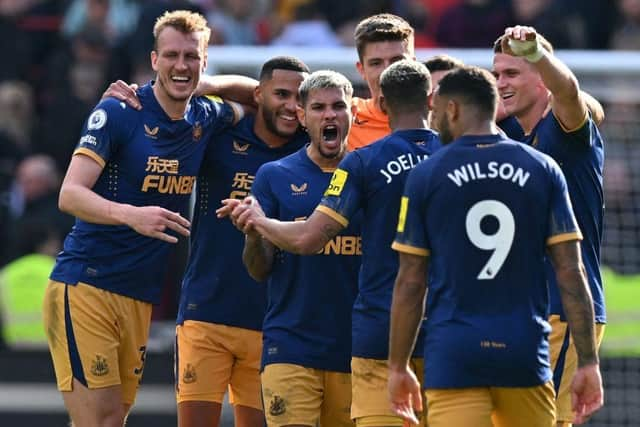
x,y
370,124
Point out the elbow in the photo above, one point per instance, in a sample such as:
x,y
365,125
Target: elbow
x,y
307,244
65,200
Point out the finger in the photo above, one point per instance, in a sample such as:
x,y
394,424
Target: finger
x,y
165,237
179,219
417,401
178,228
226,208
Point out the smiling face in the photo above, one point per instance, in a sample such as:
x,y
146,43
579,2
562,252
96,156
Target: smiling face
x,y
277,99
179,61
327,115
377,56
519,85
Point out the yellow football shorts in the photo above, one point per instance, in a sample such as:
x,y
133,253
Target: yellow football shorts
x,y
96,337
491,407
295,395
213,358
371,406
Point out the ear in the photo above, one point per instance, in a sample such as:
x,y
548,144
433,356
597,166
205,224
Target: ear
x,y
360,69
301,116
154,60
383,105
257,95
452,111
430,101
204,61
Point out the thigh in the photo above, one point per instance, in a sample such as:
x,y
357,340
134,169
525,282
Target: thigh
x,y
82,331
292,395
244,387
533,406
199,414
134,324
370,404
336,404
203,362
88,408
464,407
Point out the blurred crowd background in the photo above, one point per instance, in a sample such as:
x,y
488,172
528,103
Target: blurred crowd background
x,y
60,56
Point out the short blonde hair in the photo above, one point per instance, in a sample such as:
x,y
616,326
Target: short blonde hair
x,y
184,21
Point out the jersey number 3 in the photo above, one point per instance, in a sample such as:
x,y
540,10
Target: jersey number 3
x,y
499,242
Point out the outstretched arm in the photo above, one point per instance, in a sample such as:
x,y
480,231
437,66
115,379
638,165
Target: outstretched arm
x,y
567,101
298,237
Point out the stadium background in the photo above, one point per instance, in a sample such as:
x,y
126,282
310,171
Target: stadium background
x,y
60,55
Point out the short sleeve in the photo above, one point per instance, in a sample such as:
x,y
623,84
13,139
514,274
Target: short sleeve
x,y
411,233
562,222
223,114
104,130
344,194
261,190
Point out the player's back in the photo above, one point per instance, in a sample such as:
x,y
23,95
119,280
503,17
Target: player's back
x,y
489,214
374,178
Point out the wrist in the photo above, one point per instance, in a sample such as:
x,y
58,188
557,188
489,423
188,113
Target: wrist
x,y
530,50
119,213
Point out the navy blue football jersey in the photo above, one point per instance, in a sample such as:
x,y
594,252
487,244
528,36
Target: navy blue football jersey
x,y
484,209
580,154
148,159
310,297
216,287
372,179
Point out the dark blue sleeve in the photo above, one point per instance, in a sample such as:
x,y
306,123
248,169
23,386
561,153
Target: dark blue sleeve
x,y
411,234
261,189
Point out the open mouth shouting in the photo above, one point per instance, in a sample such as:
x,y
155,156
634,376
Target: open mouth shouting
x,y
330,136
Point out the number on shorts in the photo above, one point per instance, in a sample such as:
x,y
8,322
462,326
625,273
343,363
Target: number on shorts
x,y
500,242
143,355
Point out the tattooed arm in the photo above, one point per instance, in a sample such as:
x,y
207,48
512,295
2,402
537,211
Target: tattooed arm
x,y
299,237
587,395
257,256
576,298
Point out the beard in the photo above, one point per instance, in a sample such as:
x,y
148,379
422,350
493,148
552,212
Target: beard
x,y
445,131
269,117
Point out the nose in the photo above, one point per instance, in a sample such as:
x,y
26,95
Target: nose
x,y
330,113
181,63
291,103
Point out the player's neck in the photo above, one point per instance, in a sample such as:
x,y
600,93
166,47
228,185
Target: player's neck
x,y
375,97
269,138
324,162
488,127
174,109
417,120
530,117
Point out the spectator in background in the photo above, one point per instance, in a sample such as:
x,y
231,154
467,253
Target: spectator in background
x,y
114,18
236,21
547,17
473,23
77,77
17,113
310,27
627,34
34,198
23,282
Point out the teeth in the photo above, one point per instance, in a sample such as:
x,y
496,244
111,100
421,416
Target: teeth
x,y
288,118
180,78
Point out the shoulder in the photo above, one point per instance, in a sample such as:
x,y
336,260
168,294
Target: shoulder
x,y
110,112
